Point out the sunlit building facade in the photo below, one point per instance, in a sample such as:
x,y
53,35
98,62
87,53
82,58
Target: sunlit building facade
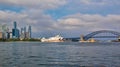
x,y
1,35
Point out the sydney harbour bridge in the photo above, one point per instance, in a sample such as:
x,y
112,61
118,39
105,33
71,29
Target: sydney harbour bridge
x,y
105,34
101,34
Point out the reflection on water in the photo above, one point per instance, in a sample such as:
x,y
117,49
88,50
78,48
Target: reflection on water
x,y
68,54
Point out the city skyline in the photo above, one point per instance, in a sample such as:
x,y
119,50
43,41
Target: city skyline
x,y
15,32
65,17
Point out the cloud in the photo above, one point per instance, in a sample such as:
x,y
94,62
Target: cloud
x,y
39,21
86,22
103,7
99,2
43,4
94,2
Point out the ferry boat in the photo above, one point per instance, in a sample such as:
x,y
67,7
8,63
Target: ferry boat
x,y
56,38
118,40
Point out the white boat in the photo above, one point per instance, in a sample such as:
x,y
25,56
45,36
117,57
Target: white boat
x,y
57,38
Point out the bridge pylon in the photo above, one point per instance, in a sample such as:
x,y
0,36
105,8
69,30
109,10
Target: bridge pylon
x,y
82,38
119,38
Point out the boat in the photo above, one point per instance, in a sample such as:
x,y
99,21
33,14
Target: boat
x,y
56,38
118,40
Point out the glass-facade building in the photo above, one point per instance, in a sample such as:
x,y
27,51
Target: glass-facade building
x,y
24,33
15,31
29,31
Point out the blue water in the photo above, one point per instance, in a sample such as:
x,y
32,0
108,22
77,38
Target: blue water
x,y
68,54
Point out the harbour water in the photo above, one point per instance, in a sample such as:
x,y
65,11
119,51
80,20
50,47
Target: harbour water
x,y
64,54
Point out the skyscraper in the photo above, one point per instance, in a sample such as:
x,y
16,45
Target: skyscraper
x,y
22,30
15,31
15,25
29,31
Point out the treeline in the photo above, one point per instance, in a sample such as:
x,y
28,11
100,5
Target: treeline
x,y
10,40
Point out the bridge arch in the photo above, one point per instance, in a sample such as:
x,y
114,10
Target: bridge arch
x,y
91,35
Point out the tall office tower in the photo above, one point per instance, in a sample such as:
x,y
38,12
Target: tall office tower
x,y
15,31
24,32
8,33
29,31
15,25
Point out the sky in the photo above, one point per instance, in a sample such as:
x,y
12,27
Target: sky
x,y
69,18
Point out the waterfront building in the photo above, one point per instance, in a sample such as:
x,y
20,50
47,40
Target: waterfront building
x,y
24,32
29,31
7,33
56,38
15,31
10,35
27,35
0,27
4,31
15,25
1,35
